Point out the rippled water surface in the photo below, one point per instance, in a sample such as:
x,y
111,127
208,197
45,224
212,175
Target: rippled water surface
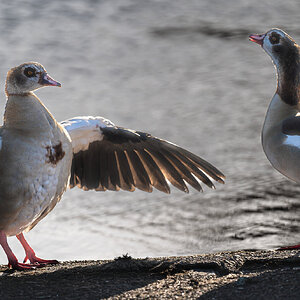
x,y
183,71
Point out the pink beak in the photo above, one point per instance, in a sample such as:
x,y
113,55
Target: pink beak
x,y
257,38
47,80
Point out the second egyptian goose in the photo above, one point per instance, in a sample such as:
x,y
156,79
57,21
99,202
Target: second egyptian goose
x,y
40,158
281,130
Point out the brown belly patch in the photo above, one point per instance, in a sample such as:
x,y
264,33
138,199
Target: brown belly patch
x,y
55,153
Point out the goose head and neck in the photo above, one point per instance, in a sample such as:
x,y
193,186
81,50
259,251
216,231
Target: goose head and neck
x,y
281,130
23,109
285,54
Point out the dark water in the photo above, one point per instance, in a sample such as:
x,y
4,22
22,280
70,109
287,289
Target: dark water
x,y
183,71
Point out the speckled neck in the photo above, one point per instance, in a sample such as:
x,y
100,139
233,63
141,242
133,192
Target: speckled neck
x,y
288,70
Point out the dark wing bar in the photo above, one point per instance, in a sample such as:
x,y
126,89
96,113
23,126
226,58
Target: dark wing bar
x,y
291,126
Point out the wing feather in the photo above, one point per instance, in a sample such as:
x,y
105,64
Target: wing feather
x,y
126,178
183,170
156,176
168,170
140,177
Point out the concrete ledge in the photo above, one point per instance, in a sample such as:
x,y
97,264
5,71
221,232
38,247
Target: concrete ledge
x,y
227,275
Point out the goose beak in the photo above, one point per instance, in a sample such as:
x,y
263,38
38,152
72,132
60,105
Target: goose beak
x,y
257,38
46,80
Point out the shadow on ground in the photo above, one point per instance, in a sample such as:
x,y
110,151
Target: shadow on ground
x,y
227,275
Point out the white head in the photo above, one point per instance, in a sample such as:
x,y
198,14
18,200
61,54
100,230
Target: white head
x,y
28,77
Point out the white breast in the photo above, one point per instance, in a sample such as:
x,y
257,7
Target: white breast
x,y
40,180
283,151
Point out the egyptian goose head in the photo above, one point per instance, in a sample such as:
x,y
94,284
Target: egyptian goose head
x,y
28,77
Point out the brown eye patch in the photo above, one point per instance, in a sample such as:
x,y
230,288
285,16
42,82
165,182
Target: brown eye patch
x,y
274,38
30,72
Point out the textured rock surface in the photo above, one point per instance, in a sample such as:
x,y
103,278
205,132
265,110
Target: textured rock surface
x,y
231,275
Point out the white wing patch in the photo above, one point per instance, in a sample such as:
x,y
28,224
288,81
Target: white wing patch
x,y
85,130
292,140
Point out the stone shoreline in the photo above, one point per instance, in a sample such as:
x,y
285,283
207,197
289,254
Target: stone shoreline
x,y
227,275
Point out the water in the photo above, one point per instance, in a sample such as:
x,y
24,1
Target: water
x,y
183,72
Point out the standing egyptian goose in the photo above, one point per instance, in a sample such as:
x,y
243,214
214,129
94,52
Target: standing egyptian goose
x,y
281,130
40,158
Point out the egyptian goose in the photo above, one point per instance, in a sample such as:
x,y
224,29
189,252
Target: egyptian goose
x,y
281,130
40,158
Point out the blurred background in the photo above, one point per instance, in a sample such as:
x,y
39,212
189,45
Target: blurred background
x,y
183,71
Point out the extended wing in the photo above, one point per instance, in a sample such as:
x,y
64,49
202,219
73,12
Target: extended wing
x,y
107,157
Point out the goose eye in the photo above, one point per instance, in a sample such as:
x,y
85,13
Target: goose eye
x,y
274,38
30,72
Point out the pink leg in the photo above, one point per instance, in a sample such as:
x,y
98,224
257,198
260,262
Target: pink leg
x,y
294,247
30,254
12,260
